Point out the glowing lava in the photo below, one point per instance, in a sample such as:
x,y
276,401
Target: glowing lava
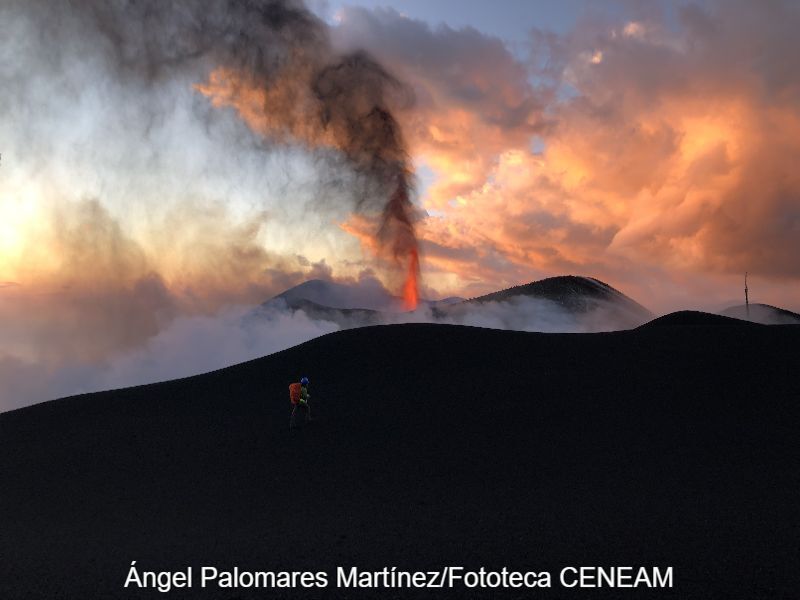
x,y
410,289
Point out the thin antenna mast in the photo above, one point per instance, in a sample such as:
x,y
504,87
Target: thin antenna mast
x,y
746,296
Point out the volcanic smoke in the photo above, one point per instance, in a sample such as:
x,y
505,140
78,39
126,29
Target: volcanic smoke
x,y
314,97
354,94
272,61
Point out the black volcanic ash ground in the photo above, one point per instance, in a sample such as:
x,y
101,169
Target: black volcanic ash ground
x,y
672,445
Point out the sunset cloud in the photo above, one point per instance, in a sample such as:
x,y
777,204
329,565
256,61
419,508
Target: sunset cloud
x,y
664,148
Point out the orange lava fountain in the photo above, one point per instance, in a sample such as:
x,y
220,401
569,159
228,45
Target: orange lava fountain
x,y
410,289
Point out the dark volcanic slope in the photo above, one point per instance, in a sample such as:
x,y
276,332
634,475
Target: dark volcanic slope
x,y
571,292
763,313
337,295
590,302
435,445
694,318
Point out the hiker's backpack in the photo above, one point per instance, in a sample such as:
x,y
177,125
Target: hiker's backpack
x,y
294,392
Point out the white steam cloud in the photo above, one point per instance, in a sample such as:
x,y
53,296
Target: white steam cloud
x,y
190,345
187,346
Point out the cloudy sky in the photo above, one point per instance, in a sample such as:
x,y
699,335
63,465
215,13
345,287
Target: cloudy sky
x,y
651,146
148,173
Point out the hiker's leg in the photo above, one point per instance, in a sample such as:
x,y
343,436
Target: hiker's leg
x,y
291,417
308,412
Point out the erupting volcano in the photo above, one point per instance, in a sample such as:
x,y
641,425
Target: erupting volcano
x,y
397,229
410,288
318,99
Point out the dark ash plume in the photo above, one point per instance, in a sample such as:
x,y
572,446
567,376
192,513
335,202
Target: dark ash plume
x,y
278,49
352,94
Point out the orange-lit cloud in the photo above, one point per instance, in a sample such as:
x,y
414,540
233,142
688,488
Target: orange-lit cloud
x,y
666,153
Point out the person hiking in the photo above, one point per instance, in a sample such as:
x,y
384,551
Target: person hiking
x,y
299,397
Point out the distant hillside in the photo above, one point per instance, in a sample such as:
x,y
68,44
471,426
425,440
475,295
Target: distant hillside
x,y
694,318
580,297
369,295
559,304
765,314
570,291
